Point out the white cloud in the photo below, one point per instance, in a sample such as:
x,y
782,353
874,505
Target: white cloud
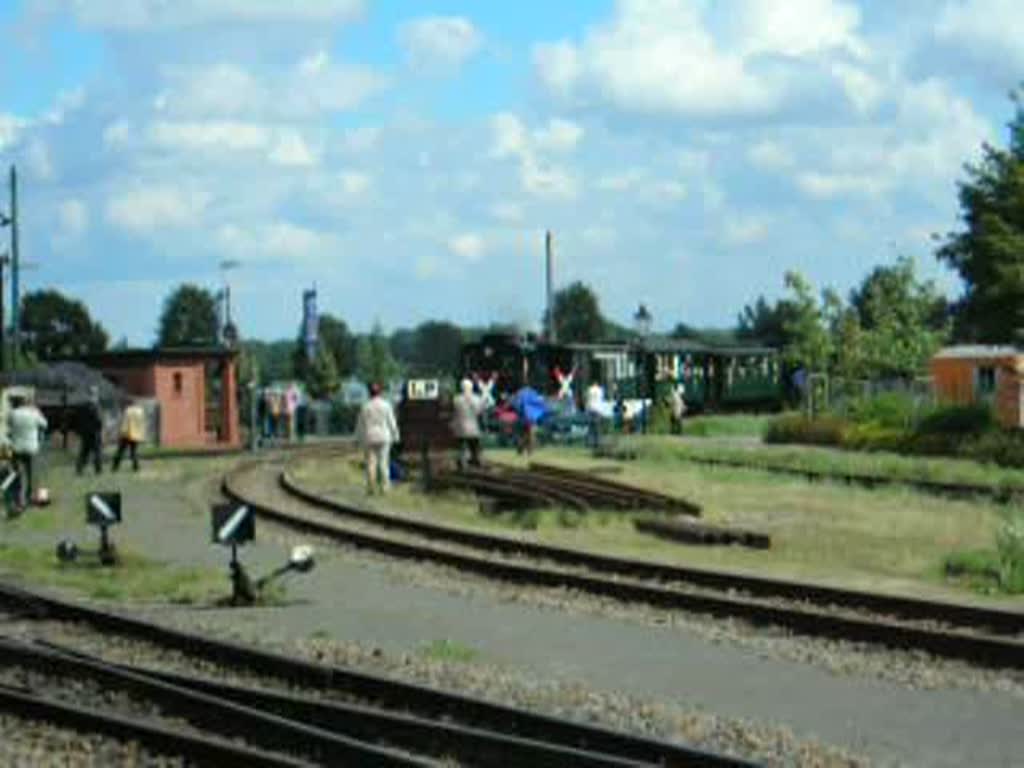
x,y
233,135
827,186
354,184
147,209
745,230
669,191
468,245
291,151
440,41
40,161
770,155
655,57
621,182
10,130
796,28
315,63
548,182
988,31
278,240
558,135
509,213
509,135
360,140
138,14
230,90
72,219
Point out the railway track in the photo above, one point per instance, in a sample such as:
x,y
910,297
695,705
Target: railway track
x,y
982,636
339,716
544,485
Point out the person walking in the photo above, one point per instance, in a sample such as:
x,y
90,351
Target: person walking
x,y
677,407
24,425
291,407
467,407
595,398
376,430
90,434
133,432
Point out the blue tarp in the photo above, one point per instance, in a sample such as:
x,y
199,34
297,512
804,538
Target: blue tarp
x,y
530,405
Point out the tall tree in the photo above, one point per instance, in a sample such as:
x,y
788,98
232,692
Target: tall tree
x,y
189,318
55,325
578,314
904,320
766,323
437,348
322,378
375,362
334,336
989,252
809,342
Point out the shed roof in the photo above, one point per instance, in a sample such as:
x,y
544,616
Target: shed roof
x,y
977,352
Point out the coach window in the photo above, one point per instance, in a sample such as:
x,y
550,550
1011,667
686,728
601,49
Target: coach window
x,y
177,383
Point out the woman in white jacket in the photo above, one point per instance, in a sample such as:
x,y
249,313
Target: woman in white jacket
x,y
376,430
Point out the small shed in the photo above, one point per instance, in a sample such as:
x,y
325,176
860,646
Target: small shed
x,y
977,373
195,387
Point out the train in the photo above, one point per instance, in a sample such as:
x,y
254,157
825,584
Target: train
x,y
715,378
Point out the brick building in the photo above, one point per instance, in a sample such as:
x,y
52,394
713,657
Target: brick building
x,y
196,389
982,374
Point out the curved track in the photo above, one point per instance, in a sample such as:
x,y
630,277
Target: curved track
x,y
982,636
390,722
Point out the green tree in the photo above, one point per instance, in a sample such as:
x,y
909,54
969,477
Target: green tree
x,y
765,323
374,360
54,325
577,314
322,378
989,252
333,335
189,318
904,320
437,348
809,342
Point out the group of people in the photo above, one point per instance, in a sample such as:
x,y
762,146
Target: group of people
x,y
26,427
279,412
377,431
377,427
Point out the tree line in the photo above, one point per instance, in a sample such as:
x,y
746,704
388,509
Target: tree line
x,y
888,326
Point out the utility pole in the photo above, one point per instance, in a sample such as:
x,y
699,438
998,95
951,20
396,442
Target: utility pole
x,y
5,259
15,272
549,254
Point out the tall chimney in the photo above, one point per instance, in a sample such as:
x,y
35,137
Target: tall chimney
x,y
550,316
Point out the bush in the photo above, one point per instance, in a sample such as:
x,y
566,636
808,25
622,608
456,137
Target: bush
x,y
958,421
874,437
1002,447
796,428
1010,543
892,410
343,418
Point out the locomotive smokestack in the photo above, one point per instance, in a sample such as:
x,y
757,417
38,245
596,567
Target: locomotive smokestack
x,y
550,262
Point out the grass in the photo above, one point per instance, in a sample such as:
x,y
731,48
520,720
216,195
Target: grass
x,y
832,460
448,650
739,425
28,545
892,539
135,577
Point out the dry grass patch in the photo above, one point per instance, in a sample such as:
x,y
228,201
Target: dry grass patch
x,y
891,539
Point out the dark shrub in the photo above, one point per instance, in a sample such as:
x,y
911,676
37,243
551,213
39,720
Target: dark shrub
x,y
958,420
796,428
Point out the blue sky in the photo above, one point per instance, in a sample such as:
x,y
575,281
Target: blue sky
x,y
406,157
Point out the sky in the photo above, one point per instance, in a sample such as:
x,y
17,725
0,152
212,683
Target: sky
x,y
405,158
